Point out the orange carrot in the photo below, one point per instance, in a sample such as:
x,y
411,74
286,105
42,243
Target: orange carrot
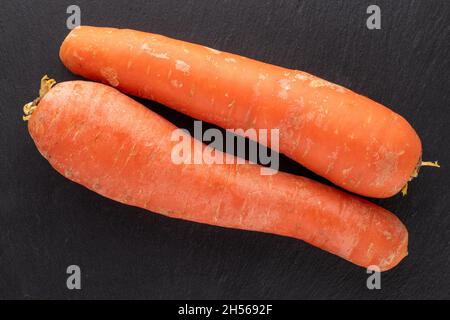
x,y
100,138
349,139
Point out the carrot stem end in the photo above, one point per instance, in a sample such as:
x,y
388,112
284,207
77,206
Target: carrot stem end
x,y
415,173
46,85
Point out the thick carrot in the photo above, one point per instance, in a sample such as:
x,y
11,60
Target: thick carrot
x,y
100,138
349,139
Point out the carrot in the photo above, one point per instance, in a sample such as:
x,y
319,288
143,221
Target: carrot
x,y
98,137
349,139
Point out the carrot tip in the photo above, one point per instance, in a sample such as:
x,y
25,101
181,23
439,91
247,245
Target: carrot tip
x,y
28,110
430,164
405,189
415,173
46,85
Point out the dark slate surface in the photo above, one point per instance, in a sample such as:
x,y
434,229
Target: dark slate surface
x,y
48,223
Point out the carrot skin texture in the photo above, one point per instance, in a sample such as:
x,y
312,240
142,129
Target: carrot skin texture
x,y
98,137
347,138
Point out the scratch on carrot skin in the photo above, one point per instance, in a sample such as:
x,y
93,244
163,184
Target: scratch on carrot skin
x,y
369,252
340,89
212,50
285,85
187,203
96,186
248,113
256,91
346,147
387,261
223,188
68,173
262,76
116,157
159,55
299,190
230,111
332,160
308,144
317,83
110,75
176,83
387,235
55,119
346,171
301,76
192,91
385,165
231,60
309,116
241,211
74,137
131,154
77,56
182,66
146,47
149,196
251,212
295,144
320,118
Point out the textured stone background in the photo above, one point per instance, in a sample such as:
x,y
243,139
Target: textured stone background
x,y
48,223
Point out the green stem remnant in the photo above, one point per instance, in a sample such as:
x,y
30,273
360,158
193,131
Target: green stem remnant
x,y
415,173
46,85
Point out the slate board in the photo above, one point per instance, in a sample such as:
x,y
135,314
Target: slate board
x,y
48,223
